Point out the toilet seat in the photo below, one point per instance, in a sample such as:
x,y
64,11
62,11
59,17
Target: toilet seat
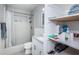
x,y
28,48
28,45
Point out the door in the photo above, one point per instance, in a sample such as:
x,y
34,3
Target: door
x,y
21,30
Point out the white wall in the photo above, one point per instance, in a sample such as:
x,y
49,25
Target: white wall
x,y
2,13
36,13
36,17
18,10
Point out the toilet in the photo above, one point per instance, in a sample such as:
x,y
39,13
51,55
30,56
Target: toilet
x,y
28,48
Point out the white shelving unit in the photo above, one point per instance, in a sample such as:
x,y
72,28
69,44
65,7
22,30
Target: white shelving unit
x,y
69,18
57,15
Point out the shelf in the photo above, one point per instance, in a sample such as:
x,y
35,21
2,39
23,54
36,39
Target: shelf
x,y
73,44
67,18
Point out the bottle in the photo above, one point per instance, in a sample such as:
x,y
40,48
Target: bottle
x,y
68,34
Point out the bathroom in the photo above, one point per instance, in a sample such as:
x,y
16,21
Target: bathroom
x,y
18,24
39,29
34,29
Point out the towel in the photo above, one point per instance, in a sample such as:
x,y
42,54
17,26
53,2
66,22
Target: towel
x,y
74,9
3,31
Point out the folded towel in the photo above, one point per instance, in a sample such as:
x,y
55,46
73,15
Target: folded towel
x,y
74,9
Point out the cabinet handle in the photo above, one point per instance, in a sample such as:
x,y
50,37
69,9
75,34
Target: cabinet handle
x,y
40,52
34,47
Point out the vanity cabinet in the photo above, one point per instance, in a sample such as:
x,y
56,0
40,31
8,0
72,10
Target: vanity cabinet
x,y
37,47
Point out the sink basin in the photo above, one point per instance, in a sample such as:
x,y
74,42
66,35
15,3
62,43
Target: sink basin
x,y
40,38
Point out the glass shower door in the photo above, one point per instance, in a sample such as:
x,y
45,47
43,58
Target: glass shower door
x,y
21,30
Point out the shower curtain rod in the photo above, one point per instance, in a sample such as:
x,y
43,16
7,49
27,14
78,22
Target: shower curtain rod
x,y
19,12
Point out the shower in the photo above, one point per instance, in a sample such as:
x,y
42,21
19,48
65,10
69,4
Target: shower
x,y
19,28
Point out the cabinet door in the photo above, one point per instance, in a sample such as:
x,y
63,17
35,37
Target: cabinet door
x,y
36,50
37,47
40,48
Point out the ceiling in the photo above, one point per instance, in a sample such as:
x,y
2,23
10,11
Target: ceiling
x,y
27,7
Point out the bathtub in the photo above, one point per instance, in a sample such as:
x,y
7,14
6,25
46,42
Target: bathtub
x,y
15,50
